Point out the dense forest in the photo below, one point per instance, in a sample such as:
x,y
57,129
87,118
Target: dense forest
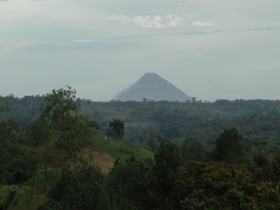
x,y
205,155
257,120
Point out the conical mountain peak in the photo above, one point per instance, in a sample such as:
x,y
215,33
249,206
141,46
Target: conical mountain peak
x,y
152,87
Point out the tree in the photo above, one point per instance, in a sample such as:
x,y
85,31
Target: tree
x,y
61,120
85,188
116,129
35,134
59,104
4,109
128,185
167,162
276,168
18,163
74,135
60,131
192,149
264,169
154,143
216,185
229,147
8,131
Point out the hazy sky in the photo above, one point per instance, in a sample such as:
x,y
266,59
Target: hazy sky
x,y
210,49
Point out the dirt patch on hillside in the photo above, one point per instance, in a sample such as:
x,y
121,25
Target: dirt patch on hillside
x,y
100,159
104,161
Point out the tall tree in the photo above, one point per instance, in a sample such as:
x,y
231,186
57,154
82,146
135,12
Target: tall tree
x,y
74,135
128,185
229,147
192,149
60,119
116,129
60,131
167,162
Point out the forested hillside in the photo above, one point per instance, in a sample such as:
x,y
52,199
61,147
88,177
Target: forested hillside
x,y
221,155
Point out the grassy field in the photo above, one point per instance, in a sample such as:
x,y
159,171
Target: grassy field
x,y
119,150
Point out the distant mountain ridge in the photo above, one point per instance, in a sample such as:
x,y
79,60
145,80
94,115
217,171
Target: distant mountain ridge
x,y
153,87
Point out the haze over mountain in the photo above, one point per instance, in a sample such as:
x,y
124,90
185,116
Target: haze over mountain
x,y
152,87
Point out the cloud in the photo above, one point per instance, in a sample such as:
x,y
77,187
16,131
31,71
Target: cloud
x,y
148,21
173,21
203,24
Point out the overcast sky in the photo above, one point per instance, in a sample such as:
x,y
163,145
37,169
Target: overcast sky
x,y
210,49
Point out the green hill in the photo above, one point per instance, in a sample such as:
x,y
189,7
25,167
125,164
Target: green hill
x,y
121,150
104,154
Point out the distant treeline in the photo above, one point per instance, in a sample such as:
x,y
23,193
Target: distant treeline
x,y
258,120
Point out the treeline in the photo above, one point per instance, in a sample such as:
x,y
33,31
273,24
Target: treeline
x,y
257,120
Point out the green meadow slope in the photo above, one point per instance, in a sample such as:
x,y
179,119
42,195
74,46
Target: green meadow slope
x,y
121,150
104,154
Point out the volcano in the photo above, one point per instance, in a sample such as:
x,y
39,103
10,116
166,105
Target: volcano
x,y
152,87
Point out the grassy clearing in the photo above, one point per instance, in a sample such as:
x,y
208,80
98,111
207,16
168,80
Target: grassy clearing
x,y
119,150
